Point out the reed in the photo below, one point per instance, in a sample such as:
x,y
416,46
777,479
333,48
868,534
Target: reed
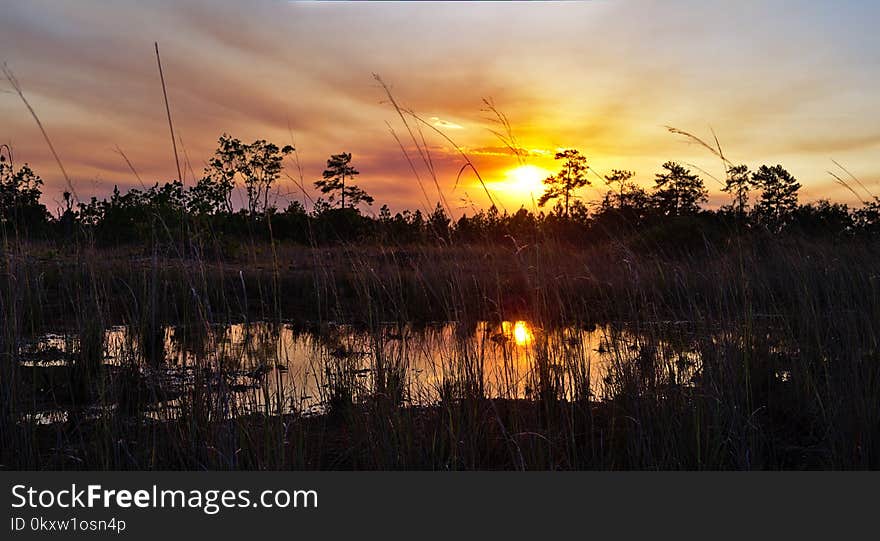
x,y
709,366
197,349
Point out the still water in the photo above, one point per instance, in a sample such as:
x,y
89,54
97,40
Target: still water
x,y
278,369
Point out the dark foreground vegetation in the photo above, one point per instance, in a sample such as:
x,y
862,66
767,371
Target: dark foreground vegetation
x,y
741,338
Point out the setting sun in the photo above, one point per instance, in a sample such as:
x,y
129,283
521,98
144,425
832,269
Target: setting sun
x,y
521,184
337,235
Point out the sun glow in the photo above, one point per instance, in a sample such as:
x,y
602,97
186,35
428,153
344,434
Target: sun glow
x,y
518,331
521,333
522,183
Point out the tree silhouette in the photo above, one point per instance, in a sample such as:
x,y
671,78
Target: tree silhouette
x,y
257,164
779,195
626,209
620,181
20,192
625,200
737,185
867,218
677,191
338,168
571,177
211,195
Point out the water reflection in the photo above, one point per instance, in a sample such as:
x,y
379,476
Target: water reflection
x,y
519,331
277,369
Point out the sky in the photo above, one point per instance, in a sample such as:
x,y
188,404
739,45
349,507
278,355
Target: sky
x,y
777,82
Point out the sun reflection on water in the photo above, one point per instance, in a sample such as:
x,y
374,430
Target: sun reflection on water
x,y
518,331
288,368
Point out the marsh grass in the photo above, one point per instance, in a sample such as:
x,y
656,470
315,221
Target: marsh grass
x,y
754,355
752,351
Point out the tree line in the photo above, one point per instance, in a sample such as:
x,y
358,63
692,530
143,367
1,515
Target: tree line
x,y
670,212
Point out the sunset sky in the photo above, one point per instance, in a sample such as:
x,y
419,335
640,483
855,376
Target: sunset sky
x,y
778,82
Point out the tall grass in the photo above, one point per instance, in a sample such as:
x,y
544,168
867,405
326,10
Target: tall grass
x,y
756,355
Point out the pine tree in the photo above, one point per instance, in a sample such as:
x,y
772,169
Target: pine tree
x,y
737,185
677,191
779,196
571,177
333,182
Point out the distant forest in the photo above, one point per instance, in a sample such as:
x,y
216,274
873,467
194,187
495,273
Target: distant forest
x,y
671,213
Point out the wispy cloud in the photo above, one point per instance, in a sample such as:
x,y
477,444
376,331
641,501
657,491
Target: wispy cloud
x,y
445,124
601,77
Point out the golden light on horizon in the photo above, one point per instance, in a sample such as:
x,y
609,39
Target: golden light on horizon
x,y
521,184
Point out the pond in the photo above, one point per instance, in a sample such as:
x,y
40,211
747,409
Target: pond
x,y
267,368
